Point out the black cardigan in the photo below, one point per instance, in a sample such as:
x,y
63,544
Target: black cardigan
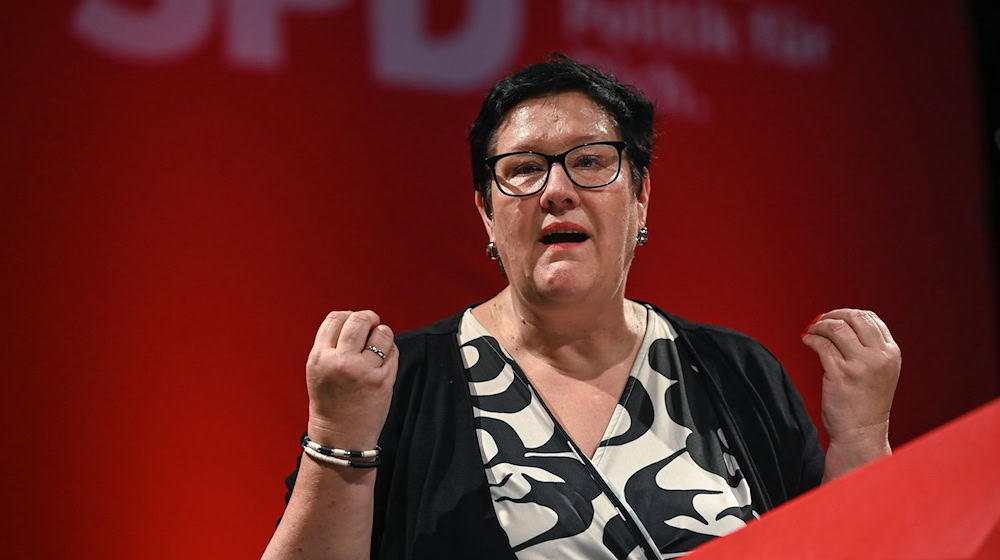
x,y
431,495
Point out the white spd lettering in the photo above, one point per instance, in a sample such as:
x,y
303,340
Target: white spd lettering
x,y
404,53
466,59
165,31
171,29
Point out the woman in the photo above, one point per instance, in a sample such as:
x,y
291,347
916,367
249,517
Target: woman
x,y
558,418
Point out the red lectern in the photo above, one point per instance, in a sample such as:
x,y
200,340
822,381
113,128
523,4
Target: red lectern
x,y
937,497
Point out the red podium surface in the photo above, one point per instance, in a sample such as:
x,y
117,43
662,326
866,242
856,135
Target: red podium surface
x,y
936,497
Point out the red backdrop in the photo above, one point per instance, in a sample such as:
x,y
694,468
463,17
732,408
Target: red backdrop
x,y
190,185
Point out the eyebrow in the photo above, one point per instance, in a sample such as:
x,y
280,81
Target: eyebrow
x,y
530,146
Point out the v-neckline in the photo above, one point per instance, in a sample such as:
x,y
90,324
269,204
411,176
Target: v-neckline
x,y
619,411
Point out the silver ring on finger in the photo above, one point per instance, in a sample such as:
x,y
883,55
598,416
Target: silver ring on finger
x,y
378,352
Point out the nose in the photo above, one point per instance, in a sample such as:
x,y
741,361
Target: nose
x,y
559,194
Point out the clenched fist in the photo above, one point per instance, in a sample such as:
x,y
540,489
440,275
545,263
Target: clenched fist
x,y
350,385
861,364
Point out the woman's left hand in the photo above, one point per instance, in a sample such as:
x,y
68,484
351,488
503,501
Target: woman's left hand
x,y
861,363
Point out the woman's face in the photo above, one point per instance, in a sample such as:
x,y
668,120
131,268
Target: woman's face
x,y
572,269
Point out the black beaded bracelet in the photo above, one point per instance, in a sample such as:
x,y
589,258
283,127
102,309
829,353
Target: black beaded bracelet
x,y
341,457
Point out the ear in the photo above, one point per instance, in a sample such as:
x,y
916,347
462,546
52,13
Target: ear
x,y
487,221
643,199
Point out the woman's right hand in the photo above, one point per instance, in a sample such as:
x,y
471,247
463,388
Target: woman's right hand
x,y
330,512
350,386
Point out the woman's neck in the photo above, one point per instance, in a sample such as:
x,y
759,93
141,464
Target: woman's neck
x,y
581,339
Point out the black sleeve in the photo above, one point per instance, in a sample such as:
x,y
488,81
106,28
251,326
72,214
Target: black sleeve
x,y
794,437
773,437
800,459
813,459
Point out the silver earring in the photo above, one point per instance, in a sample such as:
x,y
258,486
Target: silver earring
x,y
642,237
491,251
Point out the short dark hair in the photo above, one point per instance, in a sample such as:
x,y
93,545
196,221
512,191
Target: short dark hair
x,y
630,109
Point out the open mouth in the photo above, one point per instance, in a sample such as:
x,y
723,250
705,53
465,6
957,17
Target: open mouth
x,y
564,237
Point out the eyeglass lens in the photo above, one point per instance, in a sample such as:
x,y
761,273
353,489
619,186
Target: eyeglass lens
x,y
594,165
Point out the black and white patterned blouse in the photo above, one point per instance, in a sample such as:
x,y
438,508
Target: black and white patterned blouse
x,y
661,482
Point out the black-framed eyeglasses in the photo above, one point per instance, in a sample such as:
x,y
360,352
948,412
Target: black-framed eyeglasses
x,y
588,166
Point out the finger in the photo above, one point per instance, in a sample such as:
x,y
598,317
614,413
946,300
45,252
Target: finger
x,y
829,356
390,364
381,338
356,329
840,334
863,324
883,328
391,357
329,329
